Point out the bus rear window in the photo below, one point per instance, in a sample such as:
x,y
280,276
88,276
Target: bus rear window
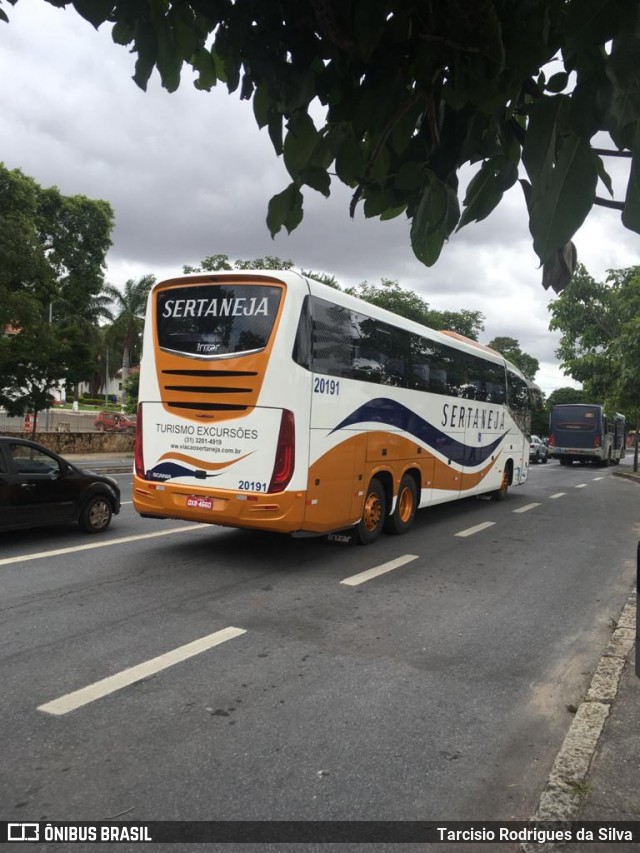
x,y
210,320
575,418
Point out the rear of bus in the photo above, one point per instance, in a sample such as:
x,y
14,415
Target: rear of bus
x,y
576,433
223,409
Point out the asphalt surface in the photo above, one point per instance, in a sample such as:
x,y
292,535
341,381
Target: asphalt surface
x,y
596,775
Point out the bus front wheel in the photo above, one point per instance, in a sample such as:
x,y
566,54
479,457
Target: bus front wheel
x,y
406,505
373,513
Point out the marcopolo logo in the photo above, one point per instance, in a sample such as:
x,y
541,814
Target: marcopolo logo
x,y
23,832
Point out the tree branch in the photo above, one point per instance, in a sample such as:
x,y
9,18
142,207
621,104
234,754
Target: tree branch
x,y
604,152
605,202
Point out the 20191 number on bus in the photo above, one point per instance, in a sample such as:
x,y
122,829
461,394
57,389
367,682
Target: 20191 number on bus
x,y
270,401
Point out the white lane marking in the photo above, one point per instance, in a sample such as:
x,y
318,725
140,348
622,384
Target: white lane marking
x,y
355,580
526,508
471,530
124,503
581,486
557,495
102,688
7,561
598,478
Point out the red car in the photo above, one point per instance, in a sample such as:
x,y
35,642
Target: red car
x,y
114,422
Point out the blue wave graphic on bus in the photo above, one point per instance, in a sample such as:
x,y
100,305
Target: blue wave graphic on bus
x,y
385,411
170,470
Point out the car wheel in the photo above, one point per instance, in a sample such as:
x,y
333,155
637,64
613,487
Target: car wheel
x,y
96,514
100,427
406,506
545,459
374,512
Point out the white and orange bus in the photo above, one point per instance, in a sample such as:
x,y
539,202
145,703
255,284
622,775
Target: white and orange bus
x,y
268,400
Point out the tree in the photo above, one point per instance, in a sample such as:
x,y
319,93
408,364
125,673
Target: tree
x,y
216,263
567,395
126,330
408,304
600,343
52,254
510,349
413,92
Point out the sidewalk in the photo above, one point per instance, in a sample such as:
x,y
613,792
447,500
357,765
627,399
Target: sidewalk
x,y
596,774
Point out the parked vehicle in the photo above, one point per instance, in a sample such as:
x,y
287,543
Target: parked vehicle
x,y
538,450
39,488
114,422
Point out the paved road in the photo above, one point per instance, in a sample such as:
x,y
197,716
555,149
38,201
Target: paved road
x,y
438,689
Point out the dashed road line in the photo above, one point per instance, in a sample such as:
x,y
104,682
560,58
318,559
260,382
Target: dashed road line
x,y
478,527
527,507
99,689
362,577
581,486
557,495
39,555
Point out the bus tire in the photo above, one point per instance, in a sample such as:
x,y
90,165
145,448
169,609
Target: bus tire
x,y
374,512
501,493
404,514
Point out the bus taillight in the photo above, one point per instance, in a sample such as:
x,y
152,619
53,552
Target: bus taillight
x,y
137,449
552,440
597,441
285,453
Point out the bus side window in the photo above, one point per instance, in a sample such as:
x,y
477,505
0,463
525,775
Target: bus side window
x,y
301,353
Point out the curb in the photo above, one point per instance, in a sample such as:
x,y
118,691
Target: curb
x,y
561,798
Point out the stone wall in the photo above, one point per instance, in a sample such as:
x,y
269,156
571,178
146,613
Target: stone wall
x,y
83,442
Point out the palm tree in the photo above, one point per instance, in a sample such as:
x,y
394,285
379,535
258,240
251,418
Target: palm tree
x,y
129,308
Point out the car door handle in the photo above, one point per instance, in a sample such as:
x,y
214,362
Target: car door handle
x,y
27,485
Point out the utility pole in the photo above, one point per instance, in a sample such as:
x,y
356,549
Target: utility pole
x,y
106,381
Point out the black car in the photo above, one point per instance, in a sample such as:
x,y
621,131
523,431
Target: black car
x,y
38,487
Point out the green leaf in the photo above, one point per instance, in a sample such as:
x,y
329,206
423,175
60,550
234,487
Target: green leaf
x,y
275,132
94,11
434,220
299,143
392,212
539,151
482,196
349,162
316,178
285,209
561,202
205,65
426,248
122,33
262,105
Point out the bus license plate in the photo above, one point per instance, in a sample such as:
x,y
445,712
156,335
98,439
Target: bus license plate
x,y
199,502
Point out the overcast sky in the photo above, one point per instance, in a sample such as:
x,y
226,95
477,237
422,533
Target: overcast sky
x,y
189,175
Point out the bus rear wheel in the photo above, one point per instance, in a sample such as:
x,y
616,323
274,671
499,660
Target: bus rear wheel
x,y
501,493
404,514
374,512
